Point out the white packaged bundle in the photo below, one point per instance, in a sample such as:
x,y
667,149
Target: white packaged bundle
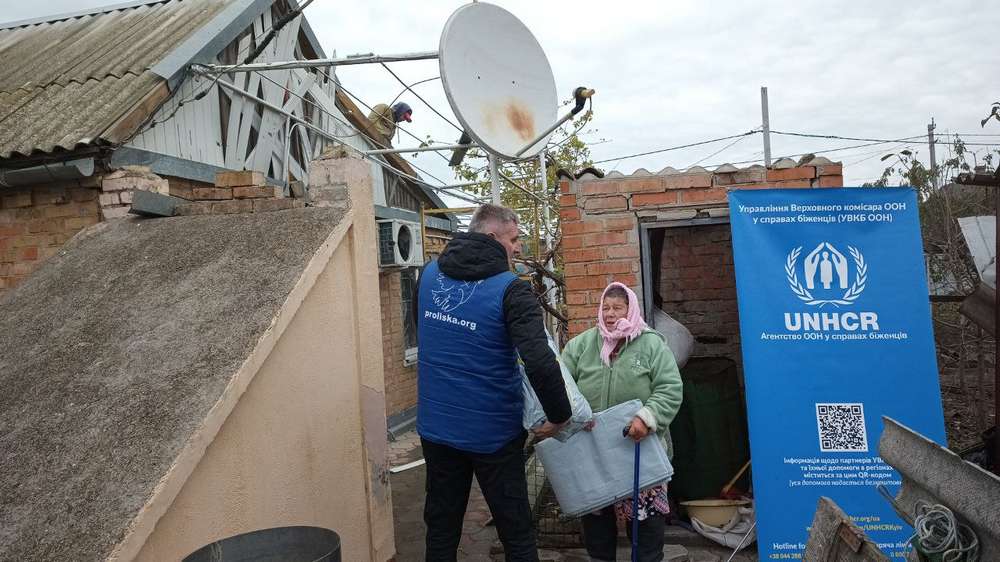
x,y
534,415
595,468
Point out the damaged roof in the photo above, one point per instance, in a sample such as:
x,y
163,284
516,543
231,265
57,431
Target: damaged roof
x,y
112,354
66,82
779,164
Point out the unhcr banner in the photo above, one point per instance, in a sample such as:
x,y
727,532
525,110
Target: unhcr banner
x,y
836,333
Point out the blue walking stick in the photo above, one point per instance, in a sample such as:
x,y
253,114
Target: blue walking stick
x,y
635,501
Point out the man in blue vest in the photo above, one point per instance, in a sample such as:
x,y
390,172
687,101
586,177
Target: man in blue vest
x,y
475,318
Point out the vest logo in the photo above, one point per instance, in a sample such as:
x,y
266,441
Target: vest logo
x,y
827,275
453,294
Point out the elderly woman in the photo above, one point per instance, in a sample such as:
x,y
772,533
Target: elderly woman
x,y
621,359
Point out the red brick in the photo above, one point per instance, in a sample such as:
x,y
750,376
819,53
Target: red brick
x,y
17,200
803,173
211,193
570,214
643,184
704,195
586,254
564,186
577,327
576,298
240,178
624,223
567,200
629,279
267,205
572,242
586,282
792,184
574,269
609,268
253,192
830,170
686,181
604,239
628,251
181,189
616,202
831,181
600,187
653,199
580,227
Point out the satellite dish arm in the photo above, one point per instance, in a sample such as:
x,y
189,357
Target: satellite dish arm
x,y
581,95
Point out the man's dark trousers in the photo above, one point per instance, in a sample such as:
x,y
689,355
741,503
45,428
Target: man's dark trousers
x,y
501,478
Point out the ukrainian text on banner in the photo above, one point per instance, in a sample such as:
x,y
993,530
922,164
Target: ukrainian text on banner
x,y
836,333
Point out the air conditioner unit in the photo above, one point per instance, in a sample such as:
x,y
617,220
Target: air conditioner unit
x,y
399,244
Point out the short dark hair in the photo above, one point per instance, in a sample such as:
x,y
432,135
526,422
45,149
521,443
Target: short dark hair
x,y
489,215
616,292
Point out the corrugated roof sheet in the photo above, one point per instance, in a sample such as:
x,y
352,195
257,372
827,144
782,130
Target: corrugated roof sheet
x,y
63,83
780,164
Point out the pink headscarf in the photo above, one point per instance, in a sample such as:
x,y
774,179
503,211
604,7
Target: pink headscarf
x,y
628,328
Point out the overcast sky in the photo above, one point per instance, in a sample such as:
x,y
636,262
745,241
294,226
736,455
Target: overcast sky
x,y
677,72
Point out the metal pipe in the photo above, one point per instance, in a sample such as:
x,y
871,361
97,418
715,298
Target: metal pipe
x,y
547,132
494,180
996,335
580,95
367,58
433,148
288,154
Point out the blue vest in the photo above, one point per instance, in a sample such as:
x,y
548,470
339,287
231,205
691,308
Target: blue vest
x,y
469,386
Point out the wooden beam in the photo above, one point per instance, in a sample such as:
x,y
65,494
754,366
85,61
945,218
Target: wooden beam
x,y
134,117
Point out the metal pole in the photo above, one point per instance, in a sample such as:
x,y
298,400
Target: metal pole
x,y
494,180
996,333
367,58
432,148
766,126
545,133
930,142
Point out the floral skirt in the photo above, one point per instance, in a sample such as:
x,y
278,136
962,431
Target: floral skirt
x,y
651,502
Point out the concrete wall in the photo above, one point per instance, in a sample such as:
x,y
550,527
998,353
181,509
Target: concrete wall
x,y
290,453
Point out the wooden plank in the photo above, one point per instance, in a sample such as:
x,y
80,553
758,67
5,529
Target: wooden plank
x,y
236,107
239,178
273,121
134,116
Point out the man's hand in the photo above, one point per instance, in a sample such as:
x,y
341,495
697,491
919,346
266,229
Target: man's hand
x,y
547,429
590,425
638,430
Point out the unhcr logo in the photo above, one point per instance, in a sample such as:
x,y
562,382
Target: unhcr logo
x,y
826,273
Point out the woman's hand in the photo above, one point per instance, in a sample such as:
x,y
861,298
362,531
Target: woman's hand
x,y
638,430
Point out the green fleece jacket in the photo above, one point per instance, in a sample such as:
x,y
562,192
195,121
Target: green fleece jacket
x,y
645,369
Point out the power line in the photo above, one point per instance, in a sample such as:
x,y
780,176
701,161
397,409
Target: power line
x,y
419,97
721,150
838,137
661,150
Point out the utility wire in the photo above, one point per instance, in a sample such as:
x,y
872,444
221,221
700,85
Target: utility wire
x,y
721,150
658,151
419,97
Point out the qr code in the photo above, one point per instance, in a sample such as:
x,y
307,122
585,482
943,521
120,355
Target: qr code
x,y
842,427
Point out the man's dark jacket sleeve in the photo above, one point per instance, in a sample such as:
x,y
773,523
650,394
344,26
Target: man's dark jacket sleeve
x,y
526,329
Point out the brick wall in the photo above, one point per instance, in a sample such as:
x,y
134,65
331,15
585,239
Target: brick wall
x,y
400,380
698,286
36,221
600,219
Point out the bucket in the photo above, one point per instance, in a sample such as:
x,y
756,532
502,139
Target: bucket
x,y
280,544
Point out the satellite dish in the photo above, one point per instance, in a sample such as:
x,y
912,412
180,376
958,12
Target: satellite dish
x,y
497,79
